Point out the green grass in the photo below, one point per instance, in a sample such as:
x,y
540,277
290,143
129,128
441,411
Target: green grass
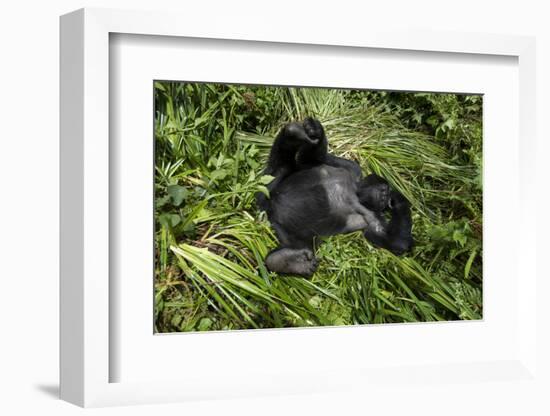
x,y
211,145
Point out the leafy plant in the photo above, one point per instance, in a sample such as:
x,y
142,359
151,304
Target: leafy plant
x,y
211,144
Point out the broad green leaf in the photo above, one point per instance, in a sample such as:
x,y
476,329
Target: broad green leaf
x,y
469,264
169,220
266,179
177,193
205,324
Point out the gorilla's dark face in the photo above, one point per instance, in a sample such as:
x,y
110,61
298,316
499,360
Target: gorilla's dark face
x,y
374,193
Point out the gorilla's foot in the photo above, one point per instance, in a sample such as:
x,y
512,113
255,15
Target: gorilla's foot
x,y
313,128
292,261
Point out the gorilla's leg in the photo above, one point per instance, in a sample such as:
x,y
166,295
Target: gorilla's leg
x,y
314,153
285,239
311,155
292,138
293,256
339,162
282,157
396,236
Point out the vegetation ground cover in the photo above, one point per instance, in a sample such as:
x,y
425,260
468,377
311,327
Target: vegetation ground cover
x,y
211,144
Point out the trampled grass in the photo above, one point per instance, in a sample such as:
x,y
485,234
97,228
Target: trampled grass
x,y
211,146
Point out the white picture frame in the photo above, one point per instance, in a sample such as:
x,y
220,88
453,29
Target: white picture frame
x,y
86,356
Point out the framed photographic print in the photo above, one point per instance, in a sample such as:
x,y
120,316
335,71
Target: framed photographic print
x,y
313,215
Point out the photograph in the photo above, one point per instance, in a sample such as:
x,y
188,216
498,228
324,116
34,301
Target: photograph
x,y
292,206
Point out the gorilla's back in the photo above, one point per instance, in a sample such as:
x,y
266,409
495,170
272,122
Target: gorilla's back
x,y
315,201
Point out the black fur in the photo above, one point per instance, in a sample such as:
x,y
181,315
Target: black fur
x,y
314,193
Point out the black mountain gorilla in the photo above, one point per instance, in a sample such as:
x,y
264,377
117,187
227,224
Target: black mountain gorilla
x,y
314,193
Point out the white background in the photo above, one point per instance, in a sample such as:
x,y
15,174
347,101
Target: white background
x,y
29,174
